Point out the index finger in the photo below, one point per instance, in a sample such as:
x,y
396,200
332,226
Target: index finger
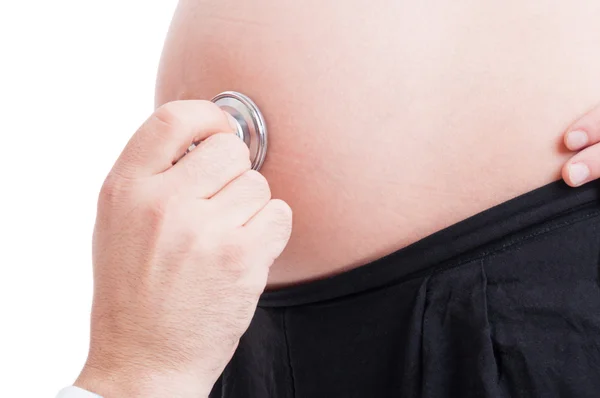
x,y
167,134
585,131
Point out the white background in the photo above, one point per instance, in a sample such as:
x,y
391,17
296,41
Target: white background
x,y
76,80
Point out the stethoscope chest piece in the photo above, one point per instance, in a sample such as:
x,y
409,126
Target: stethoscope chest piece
x,y
251,126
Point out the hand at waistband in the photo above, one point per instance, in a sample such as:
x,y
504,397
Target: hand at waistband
x,y
584,138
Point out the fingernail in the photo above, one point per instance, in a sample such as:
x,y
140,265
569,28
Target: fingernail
x,y
576,139
578,173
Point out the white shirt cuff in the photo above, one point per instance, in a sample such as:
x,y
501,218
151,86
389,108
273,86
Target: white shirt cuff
x,y
76,392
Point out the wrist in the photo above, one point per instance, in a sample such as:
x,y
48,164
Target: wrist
x,y
133,382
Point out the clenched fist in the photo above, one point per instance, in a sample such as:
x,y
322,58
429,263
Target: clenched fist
x,y
182,248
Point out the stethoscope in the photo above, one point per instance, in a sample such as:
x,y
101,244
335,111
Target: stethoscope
x,y
249,122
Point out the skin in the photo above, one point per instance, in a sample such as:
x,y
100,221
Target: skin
x,y
187,248
583,137
182,246
181,255
390,123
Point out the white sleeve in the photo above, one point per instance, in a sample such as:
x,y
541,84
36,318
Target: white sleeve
x,y
76,392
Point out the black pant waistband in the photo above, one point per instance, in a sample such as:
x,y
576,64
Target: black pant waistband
x,y
455,243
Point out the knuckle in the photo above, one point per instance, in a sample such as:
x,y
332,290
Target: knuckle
x,y
239,150
155,208
258,184
222,140
218,156
257,281
256,177
230,147
205,245
282,211
167,116
232,256
113,190
281,217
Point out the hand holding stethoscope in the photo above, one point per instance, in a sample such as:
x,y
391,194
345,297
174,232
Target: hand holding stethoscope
x,y
249,124
182,248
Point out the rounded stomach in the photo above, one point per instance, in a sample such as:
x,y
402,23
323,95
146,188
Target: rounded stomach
x,y
391,120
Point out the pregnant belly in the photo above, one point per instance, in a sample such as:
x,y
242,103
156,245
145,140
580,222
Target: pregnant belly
x,y
390,120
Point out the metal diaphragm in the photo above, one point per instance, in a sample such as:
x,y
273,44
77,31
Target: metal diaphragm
x,y
250,123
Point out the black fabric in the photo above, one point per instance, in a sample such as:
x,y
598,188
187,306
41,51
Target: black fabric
x,y
503,304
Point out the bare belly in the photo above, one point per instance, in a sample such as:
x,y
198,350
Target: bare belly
x,y
390,120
